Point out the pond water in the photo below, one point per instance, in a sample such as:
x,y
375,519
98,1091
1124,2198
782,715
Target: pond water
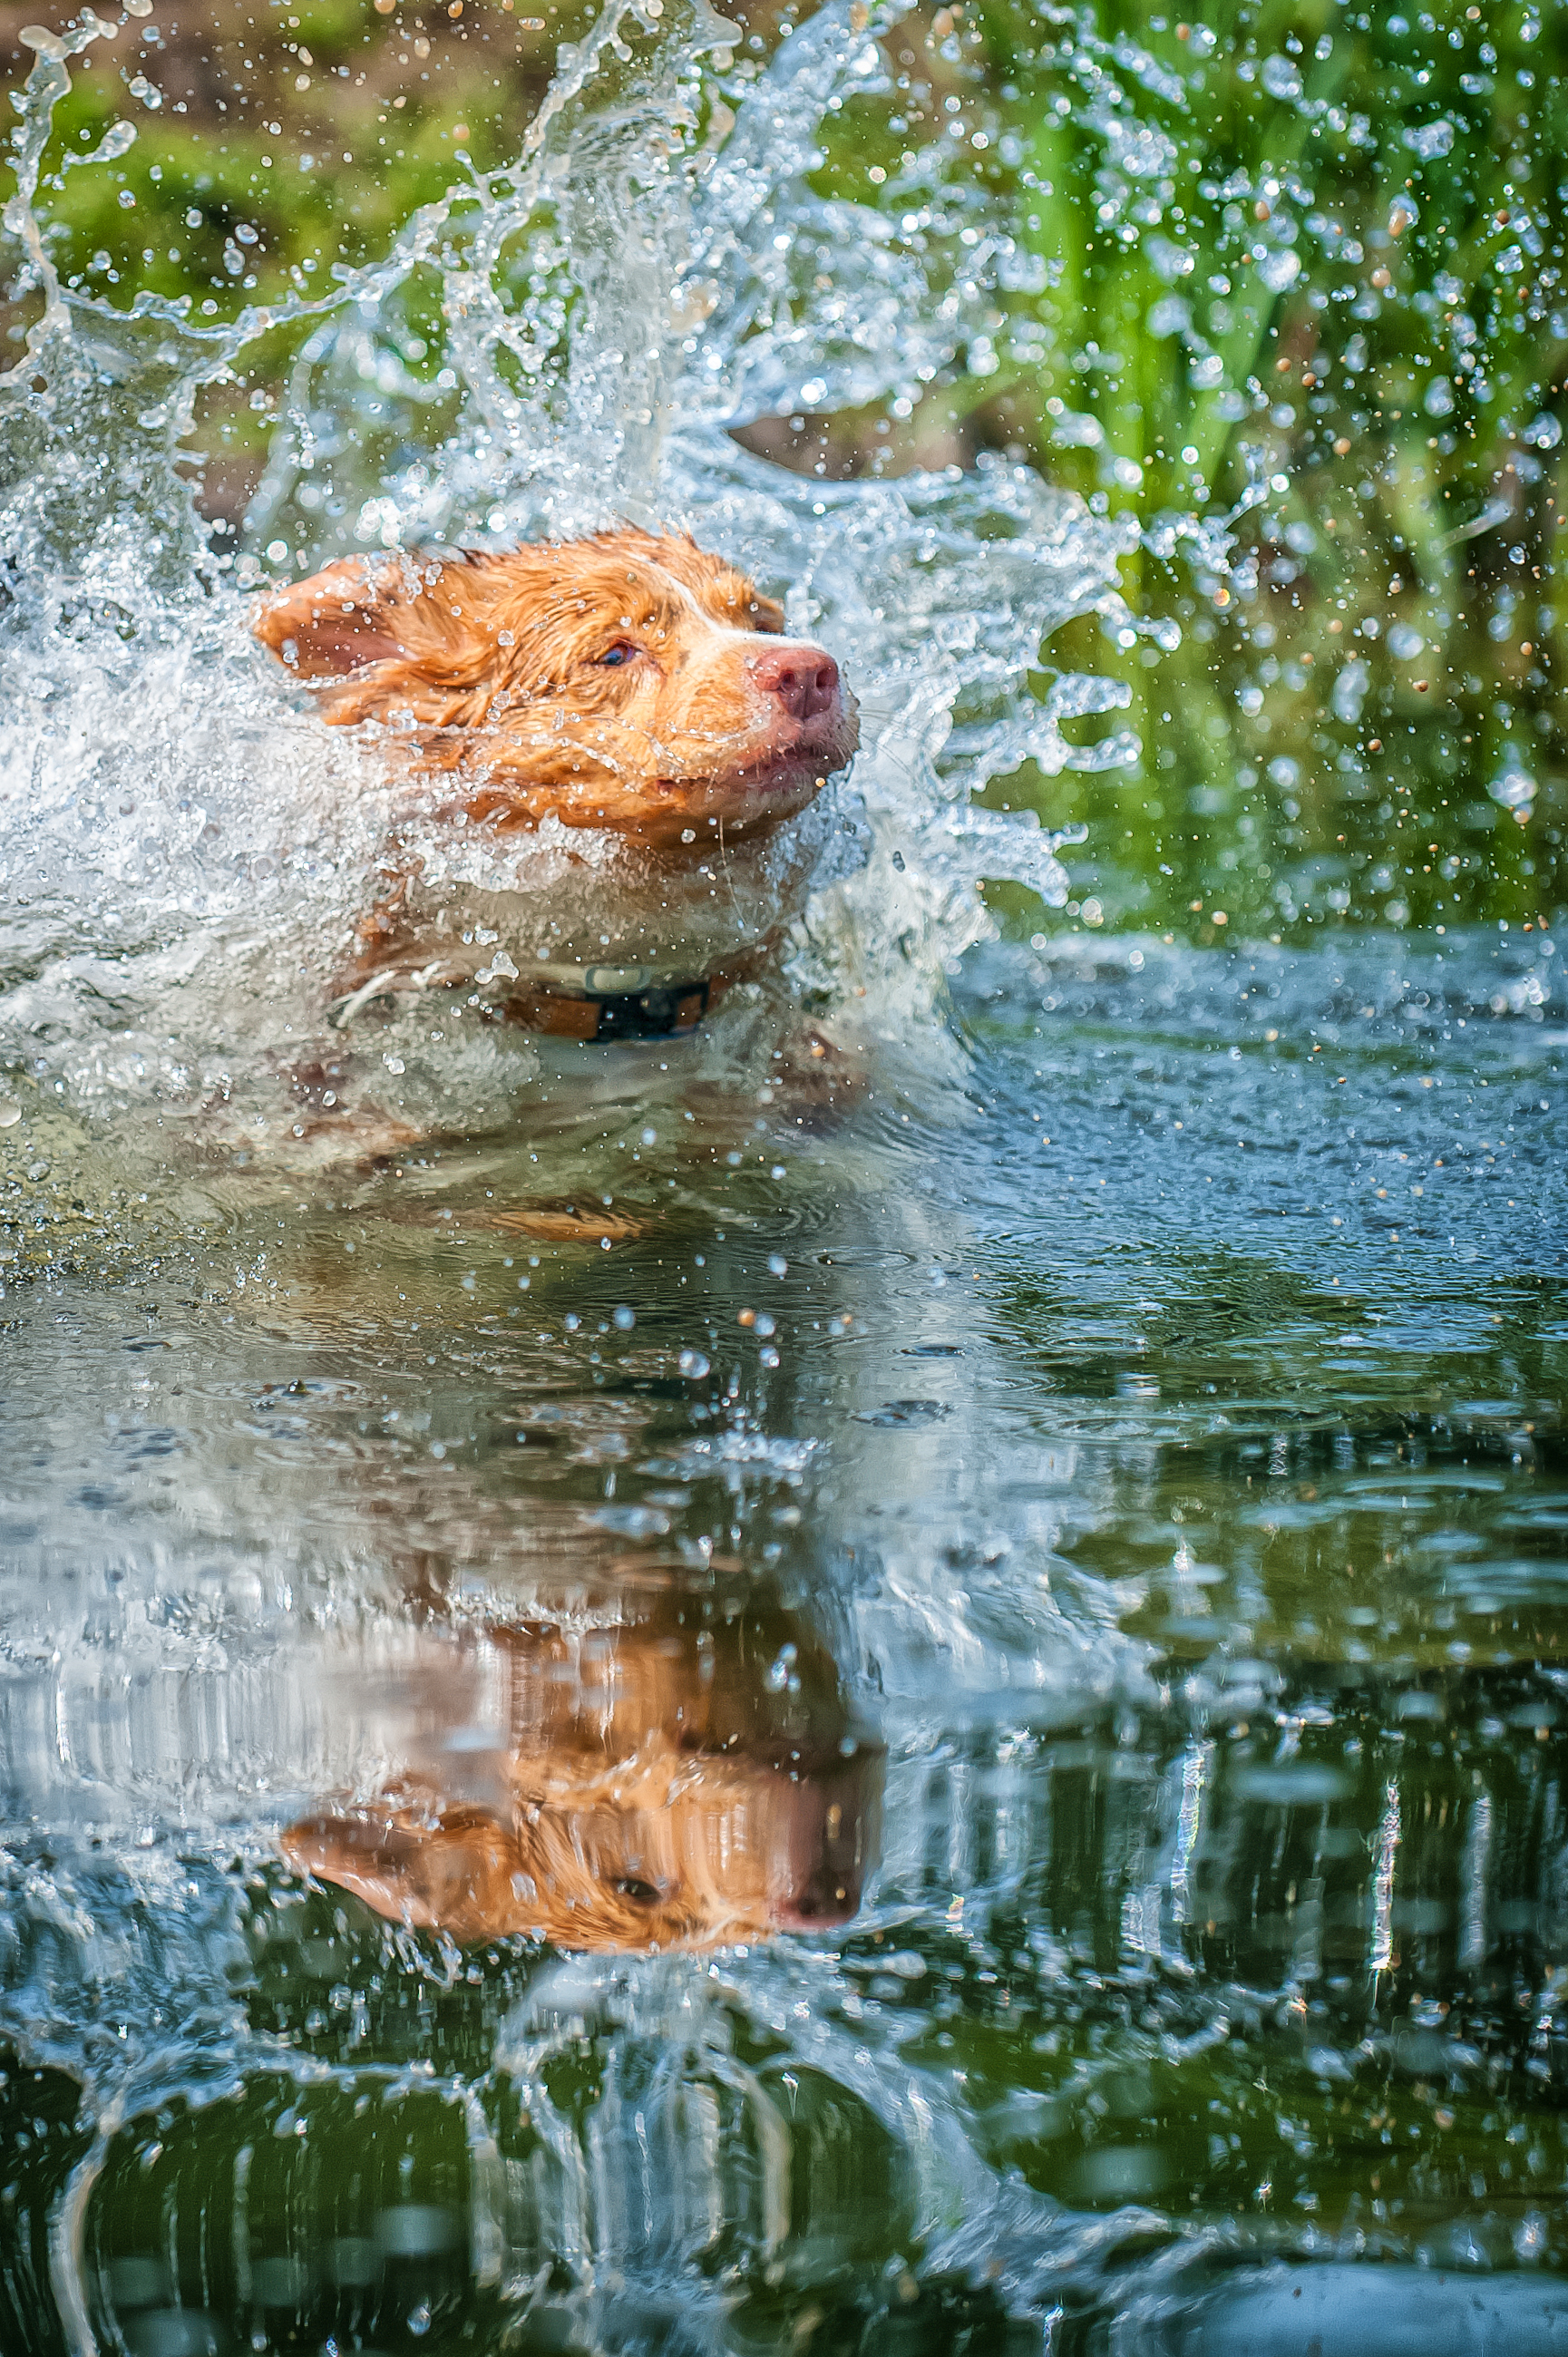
x,y
907,1703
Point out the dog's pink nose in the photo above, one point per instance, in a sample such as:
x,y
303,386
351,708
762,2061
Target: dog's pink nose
x,y
804,679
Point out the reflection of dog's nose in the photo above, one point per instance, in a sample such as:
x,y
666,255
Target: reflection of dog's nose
x,y
804,679
828,1896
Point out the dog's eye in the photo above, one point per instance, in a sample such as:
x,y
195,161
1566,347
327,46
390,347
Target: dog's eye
x,y
646,1894
622,651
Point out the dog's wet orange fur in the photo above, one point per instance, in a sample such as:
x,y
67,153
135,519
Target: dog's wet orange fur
x,y
652,1790
629,682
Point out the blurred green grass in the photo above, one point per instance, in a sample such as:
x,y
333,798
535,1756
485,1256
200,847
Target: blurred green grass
x,y
1295,266
1312,256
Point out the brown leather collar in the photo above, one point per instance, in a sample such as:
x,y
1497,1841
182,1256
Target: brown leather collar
x,y
659,1014
663,1011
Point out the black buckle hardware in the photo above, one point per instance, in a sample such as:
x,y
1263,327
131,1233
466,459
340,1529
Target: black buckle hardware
x,y
656,1013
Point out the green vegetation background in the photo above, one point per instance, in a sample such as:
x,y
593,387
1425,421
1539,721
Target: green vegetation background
x,y
1304,255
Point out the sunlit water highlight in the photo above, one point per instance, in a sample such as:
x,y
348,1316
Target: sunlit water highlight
x,y
1133,1424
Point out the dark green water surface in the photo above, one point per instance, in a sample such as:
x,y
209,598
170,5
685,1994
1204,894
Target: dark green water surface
x,y
1142,1462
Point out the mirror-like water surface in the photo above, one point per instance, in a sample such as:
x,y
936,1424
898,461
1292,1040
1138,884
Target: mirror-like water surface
x,y
889,1676
1093,1584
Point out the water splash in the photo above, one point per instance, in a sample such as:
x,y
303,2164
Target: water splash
x,y
183,851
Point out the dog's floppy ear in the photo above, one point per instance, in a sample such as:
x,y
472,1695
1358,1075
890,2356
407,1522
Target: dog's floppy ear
x,y
383,637
457,1871
337,622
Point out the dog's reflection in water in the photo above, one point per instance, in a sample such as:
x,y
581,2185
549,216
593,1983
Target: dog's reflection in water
x,y
687,1777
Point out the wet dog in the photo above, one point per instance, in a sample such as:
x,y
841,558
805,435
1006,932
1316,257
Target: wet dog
x,y
627,687
669,1780
615,759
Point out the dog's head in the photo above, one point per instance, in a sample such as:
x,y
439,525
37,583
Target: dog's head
x,y
628,682
667,1850
653,1787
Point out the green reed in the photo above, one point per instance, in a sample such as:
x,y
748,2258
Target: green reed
x,y
1302,277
